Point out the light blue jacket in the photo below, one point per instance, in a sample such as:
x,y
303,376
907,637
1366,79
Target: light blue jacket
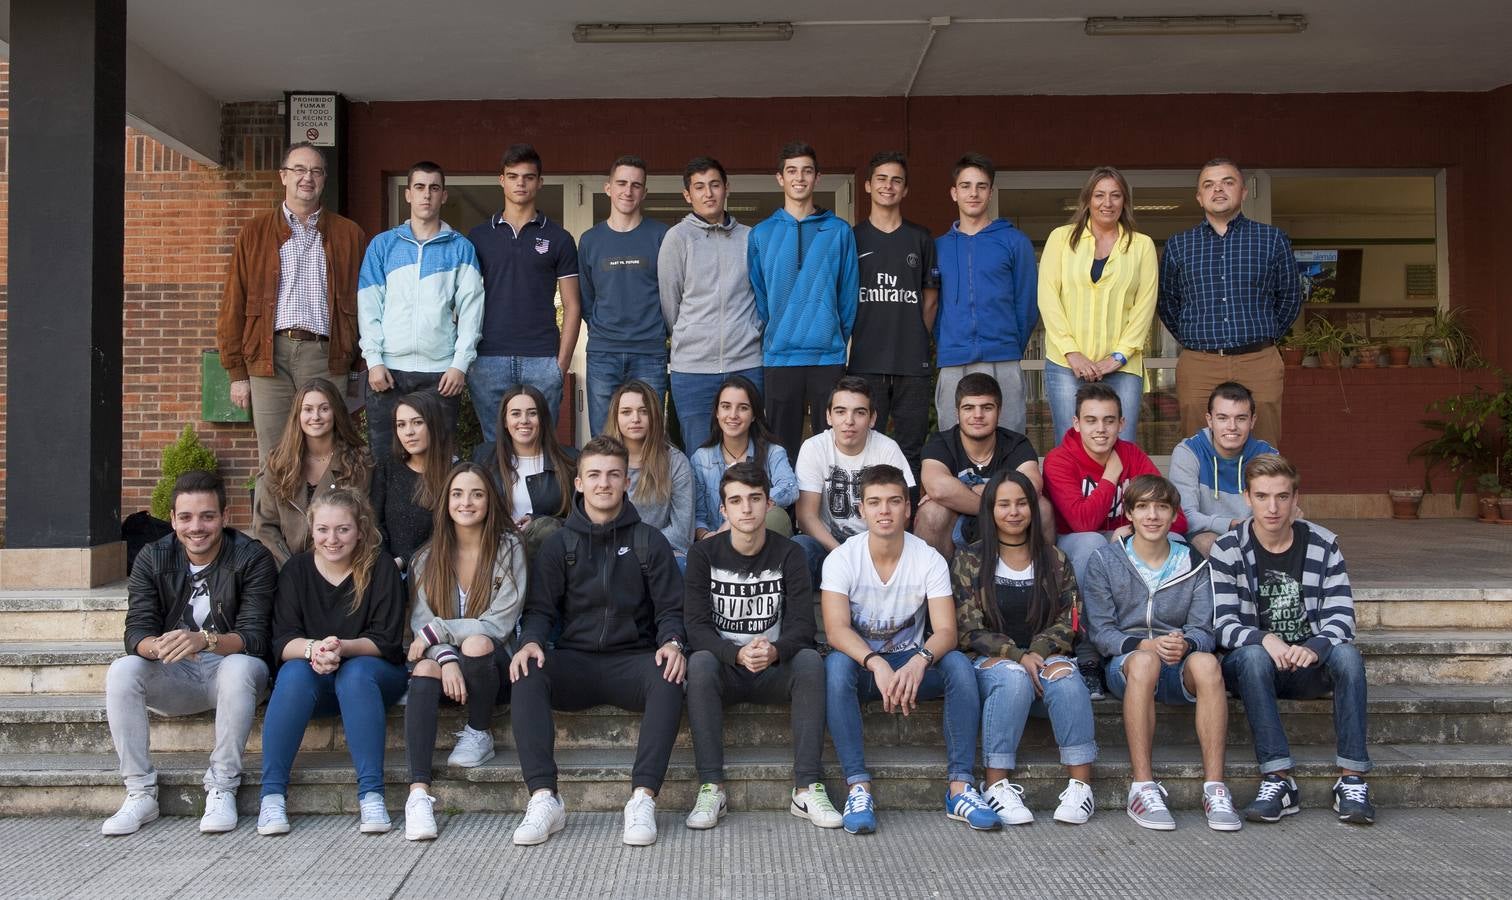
x,y
709,466
807,286
420,303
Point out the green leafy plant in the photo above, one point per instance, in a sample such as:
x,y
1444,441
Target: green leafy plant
x,y
186,454
1471,438
1447,329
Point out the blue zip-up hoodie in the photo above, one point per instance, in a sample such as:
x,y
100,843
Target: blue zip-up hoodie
x,y
420,303
989,295
807,286
1211,487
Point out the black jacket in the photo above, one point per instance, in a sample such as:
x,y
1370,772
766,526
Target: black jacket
x,y
242,581
544,487
607,600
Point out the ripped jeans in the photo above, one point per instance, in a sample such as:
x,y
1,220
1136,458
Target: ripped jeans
x,y
1008,699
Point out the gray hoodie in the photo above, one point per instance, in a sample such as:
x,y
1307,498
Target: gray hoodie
x,y
706,297
1121,611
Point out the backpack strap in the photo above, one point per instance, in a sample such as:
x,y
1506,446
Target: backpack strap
x,y
571,540
640,543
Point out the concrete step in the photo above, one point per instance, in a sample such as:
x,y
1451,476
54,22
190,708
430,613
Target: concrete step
x,y
1437,656
1393,656
1406,775
98,614
1448,714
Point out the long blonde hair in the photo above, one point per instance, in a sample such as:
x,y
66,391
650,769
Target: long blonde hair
x,y
439,577
655,484
286,462
369,541
1083,212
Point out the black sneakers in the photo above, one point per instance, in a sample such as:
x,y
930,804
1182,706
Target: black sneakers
x,y
1277,797
1352,800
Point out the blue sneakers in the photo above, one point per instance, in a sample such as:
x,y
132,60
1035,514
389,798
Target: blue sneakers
x,y
1277,797
859,817
969,807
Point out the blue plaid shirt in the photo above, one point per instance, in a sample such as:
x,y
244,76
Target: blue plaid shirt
x,y
1218,292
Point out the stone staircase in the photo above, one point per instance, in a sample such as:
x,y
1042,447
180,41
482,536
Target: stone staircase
x,y
1439,663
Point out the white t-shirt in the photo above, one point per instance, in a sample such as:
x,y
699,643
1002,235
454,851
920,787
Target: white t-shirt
x,y
1006,572
519,494
889,616
199,595
824,470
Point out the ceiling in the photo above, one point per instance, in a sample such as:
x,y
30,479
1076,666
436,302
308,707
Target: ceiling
x,y
473,49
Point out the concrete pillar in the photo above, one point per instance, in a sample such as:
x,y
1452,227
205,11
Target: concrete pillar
x,y
63,434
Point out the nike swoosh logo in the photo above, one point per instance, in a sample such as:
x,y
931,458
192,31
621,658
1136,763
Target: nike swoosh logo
x,y
866,254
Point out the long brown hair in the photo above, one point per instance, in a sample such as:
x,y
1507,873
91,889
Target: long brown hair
x,y
655,483
431,485
369,541
1044,600
546,443
1083,212
286,462
439,577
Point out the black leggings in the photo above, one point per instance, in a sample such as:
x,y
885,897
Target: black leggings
x,y
487,680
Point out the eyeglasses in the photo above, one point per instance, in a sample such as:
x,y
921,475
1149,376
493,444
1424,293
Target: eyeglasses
x,y
301,171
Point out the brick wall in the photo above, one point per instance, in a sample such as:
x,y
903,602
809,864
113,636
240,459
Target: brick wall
x,y
181,221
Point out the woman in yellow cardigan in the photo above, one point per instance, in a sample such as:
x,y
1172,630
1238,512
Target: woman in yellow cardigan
x,y
1097,286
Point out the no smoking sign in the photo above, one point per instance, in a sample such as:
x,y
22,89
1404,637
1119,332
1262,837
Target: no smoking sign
x,y
312,117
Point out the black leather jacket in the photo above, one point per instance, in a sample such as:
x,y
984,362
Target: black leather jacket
x,y
242,582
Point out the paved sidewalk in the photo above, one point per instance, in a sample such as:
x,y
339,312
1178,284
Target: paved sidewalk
x,y
1408,853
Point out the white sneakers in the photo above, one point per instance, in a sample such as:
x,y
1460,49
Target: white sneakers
x,y
544,816
374,814
708,809
640,819
273,816
814,804
140,808
474,748
420,817
1076,803
1007,800
220,812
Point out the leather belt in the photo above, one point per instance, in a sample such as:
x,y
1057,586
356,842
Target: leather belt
x,y
299,334
1240,351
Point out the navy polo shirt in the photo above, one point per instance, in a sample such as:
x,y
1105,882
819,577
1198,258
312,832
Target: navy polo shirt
x,y
520,272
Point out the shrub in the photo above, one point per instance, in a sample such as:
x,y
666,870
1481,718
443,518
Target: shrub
x,y
186,454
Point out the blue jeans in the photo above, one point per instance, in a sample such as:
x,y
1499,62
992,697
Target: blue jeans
x,y
491,376
1060,390
1251,674
380,406
847,686
361,690
1008,700
607,370
1170,689
695,395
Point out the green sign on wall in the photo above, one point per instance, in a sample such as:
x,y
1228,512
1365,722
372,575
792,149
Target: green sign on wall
x,y
215,392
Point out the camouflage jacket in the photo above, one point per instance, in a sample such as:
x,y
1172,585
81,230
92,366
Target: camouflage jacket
x,y
978,640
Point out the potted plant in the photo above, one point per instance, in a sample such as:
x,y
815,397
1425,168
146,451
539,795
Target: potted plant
x,y
1399,354
1368,354
1471,438
1317,339
1504,507
186,454
1405,502
1487,488
1292,351
1447,342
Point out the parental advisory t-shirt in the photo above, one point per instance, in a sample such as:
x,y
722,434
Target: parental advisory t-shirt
x,y
746,593
889,337
1278,597
889,615
1009,451
824,470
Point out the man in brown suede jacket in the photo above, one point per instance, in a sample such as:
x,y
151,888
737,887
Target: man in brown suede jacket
x,y
289,312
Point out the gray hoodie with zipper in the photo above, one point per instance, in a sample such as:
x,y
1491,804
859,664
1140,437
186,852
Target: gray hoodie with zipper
x,y
706,297
1122,611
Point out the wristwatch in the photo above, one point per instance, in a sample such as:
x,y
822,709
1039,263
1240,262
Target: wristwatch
x,y
211,639
1119,358
681,647
929,658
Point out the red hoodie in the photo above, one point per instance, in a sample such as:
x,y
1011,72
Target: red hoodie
x,y
1083,500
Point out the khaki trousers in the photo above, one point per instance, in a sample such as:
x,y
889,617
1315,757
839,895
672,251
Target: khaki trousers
x,y
1197,373
294,363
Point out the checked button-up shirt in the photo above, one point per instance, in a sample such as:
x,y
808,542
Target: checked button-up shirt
x,y
1219,292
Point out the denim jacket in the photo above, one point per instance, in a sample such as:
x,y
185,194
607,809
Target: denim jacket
x,y
709,466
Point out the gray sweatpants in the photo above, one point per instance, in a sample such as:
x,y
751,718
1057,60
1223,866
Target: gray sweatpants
x,y
1013,416
230,685
712,685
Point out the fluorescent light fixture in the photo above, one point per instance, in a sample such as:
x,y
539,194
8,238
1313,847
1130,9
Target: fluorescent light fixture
x,y
1113,26
681,32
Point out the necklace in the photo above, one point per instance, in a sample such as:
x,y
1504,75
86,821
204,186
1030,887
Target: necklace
x,y
730,458
1008,544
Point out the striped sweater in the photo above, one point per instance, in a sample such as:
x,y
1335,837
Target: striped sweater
x,y
1326,597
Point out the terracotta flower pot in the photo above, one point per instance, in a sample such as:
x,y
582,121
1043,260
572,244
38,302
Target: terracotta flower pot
x,y
1367,357
1405,503
1488,509
1291,356
1504,507
1329,359
1400,356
